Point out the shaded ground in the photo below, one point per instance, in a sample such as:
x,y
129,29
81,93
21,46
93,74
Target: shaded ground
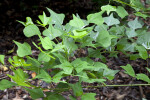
x,y
12,10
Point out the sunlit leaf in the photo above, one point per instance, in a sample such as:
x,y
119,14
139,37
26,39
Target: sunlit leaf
x,y
23,49
129,70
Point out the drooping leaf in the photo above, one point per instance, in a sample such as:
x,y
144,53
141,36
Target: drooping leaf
x,y
108,8
96,18
2,59
56,18
31,30
77,89
76,22
121,11
44,76
23,49
4,84
134,24
129,70
88,96
35,93
142,52
143,77
111,20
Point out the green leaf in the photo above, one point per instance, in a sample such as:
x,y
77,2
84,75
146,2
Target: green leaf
x,y
66,66
141,15
79,34
80,65
33,61
96,18
98,66
28,21
76,22
129,70
31,30
54,96
20,77
18,62
44,19
85,78
72,98
56,78
35,93
121,11
4,84
148,69
58,47
130,32
43,57
34,64
2,59
142,52
111,20
46,43
130,47
70,45
88,96
44,76
108,8
23,49
104,38
134,56
143,77
144,39
56,18
134,24
110,74
87,41
77,89
52,32
62,87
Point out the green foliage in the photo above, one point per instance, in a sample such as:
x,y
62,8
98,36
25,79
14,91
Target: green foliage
x,y
63,51
129,70
23,49
4,84
88,96
35,93
2,59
